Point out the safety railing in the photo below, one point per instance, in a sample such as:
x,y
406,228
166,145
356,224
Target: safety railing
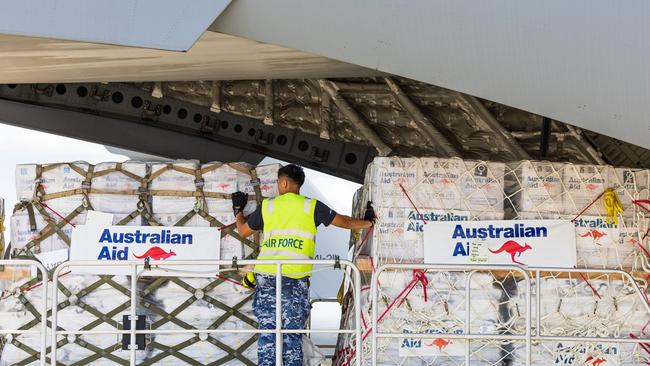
x,y
467,336
7,263
528,336
140,268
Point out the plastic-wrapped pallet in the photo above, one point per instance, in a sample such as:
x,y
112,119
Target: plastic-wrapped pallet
x,y
534,187
408,191
583,184
64,187
602,244
603,306
544,190
208,306
436,183
188,195
35,229
182,193
441,311
556,188
179,186
19,309
630,185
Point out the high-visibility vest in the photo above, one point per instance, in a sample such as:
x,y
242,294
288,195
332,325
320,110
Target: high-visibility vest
x,y
289,233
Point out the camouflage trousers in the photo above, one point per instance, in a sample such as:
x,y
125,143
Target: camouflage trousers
x,y
295,311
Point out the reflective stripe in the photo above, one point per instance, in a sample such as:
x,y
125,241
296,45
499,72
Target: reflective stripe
x,y
281,253
269,205
289,232
307,205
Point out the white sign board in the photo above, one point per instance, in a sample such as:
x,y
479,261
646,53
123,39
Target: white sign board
x,y
533,243
122,243
51,260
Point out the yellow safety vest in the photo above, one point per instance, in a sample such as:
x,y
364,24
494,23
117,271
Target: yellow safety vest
x,y
289,233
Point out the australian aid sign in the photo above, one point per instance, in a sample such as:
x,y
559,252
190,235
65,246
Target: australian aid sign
x,y
533,243
122,243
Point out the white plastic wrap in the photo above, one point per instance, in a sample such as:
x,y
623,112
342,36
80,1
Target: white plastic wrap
x,y
443,312
601,307
534,186
173,180
436,183
22,233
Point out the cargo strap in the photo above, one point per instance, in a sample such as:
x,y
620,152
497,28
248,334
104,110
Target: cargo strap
x,y
55,222
412,204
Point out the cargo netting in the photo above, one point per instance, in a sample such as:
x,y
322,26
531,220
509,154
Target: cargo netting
x,y
610,209
56,197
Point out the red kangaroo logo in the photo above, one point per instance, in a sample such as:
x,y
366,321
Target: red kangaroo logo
x,y
591,186
445,181
547,185
513,248
223,185
156,253
596,234
266,187
398,231
440,343
633,241
595,362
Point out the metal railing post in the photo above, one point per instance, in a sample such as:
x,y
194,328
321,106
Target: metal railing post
x,y
357,312
134,315
374,301
43,309
55,307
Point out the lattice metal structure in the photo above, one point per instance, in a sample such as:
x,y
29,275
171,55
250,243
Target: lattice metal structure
x,y
332,125
92,303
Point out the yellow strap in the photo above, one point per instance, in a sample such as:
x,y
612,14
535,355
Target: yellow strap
x,y
340,294
613,206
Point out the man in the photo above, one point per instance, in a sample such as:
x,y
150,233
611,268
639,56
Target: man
x,y
289,223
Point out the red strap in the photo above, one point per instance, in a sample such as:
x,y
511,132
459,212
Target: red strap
x,y
412,204
642,204
231,281
363,319
38,284
44,205
645,346
418,276
641,246
589,284
589,205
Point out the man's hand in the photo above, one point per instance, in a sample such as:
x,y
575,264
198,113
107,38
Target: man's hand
x,y
239,201
370,213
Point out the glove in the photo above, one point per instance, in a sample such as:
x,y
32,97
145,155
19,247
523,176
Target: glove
x,y
370,213
239,200
249,281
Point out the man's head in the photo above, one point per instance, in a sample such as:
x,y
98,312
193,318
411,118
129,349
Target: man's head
x,y
290,178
